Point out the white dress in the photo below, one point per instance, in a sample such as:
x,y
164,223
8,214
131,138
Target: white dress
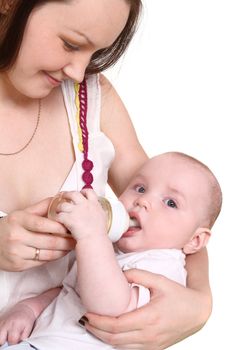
x,y
16,286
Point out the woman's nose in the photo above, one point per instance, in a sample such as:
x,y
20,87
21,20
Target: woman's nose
x,y
76,68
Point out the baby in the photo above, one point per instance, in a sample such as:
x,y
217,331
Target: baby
x,y
175,200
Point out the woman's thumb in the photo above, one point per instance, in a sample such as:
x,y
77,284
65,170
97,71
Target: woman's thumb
x,y
40,208
147,279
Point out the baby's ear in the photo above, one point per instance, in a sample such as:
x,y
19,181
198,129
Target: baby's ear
x,y
198,241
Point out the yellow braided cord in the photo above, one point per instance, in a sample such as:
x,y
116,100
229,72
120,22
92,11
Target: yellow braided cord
x,y
77,103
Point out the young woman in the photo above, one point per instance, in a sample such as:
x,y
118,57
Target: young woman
x,y
44,47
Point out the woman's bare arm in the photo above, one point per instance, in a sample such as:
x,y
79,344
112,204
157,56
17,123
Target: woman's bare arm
x,y
174,312
116,124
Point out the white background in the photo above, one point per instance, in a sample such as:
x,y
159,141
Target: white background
x,y
176,81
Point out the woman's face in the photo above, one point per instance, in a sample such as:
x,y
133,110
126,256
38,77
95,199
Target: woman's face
x,y
60,39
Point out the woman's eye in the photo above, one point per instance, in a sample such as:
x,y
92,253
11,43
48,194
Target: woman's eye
x,y
170,203
140,189
71,47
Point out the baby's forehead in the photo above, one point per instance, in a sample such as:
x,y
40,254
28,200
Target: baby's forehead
x,y
171,166
164,161
173,160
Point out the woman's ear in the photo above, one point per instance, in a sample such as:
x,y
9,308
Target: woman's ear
x,y
198,241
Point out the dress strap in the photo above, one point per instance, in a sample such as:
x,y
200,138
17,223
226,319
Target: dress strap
x,y
81,118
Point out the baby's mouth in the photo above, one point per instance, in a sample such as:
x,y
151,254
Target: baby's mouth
x,y
133,222
134,227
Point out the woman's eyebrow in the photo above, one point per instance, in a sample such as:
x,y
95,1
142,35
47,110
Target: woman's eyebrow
x,y
83,35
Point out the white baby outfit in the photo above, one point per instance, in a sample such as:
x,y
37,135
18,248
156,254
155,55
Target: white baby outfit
x,y
58,327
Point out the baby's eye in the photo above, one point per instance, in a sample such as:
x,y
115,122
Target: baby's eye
x,y
170,203
140,189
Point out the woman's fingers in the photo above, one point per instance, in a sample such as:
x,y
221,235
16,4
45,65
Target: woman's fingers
x,y
28,238
134,320
114,339
32,231
28,244
39,254
135,339
40,208
134,330
48,241
143,327
127,322
36,223
145,278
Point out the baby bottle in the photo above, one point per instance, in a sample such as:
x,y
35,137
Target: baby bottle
x,y
118,220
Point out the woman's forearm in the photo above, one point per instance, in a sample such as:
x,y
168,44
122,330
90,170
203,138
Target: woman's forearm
x,y
198,280
197,266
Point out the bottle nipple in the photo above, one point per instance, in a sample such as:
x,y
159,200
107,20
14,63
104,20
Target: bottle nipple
x,y
118,218
133,222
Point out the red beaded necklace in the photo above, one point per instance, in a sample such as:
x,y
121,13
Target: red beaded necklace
x,y
81,118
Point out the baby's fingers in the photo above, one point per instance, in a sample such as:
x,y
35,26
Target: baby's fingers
x,y
3,335
26,332
14,336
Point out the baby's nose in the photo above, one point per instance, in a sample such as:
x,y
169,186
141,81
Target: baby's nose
x,y
142,202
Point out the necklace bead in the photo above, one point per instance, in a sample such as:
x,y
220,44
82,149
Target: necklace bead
x,y
81,117
87,165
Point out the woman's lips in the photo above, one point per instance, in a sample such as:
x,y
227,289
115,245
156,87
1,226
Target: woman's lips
x,y
52,80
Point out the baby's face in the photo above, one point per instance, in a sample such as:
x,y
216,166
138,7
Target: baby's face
x,y
168,198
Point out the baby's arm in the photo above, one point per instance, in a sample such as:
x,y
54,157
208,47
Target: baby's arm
x,y
102,285
17,322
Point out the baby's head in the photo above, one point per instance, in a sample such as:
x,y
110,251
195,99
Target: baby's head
x,y
176,200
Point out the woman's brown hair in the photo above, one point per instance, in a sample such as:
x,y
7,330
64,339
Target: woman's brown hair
x,y
12,26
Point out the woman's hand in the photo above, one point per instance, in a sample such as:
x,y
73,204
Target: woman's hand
x,y
29,239
174,313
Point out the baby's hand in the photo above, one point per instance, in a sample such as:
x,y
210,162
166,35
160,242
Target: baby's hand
x,y
16,324
82,214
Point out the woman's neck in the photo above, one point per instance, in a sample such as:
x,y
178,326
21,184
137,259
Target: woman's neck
x,y
9,95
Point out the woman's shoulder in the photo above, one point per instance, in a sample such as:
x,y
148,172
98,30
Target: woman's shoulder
x,y
105,85
104,80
